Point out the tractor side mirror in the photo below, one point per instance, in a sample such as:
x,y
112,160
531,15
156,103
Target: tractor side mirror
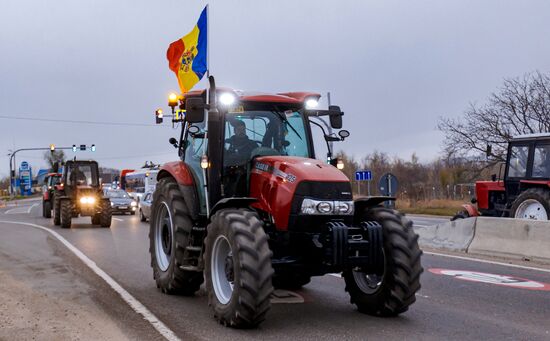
x,y
173,142
194,108
335,116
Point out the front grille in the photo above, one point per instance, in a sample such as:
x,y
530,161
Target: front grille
x,y
317,190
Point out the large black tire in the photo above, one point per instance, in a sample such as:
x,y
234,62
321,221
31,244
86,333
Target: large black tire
x,y
43,209
66,213
96,219
168,274
141,216
105,216
239,234
56,212
290,281
532,195
47,209
400,281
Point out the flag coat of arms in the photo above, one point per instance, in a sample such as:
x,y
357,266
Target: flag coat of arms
x,y
187,56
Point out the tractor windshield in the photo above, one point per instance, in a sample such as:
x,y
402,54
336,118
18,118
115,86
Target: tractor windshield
x,y
276,132
82,175
256,133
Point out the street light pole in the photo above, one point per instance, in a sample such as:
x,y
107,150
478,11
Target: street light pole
x,y
12,160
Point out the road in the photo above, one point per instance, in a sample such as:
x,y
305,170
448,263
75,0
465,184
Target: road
x,y
447,307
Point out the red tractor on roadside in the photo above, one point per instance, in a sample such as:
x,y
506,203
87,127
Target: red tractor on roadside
x,y
50,180
247,208
523,191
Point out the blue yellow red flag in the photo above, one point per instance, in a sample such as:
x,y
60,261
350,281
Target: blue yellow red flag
x,y
187,56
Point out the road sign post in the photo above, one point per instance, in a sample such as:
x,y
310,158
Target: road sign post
x,y
388,186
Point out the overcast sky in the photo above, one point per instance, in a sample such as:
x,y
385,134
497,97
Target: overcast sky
x,y
393,66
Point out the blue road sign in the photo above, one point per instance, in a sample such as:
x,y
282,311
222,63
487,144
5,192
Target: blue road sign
x,y
364,175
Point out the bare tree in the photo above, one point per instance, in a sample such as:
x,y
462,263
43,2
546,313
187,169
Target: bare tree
x,y
54,158
520,106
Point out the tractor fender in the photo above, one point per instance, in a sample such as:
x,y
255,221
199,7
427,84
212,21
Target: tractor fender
x,y
471,209
232,203
364,202
180,172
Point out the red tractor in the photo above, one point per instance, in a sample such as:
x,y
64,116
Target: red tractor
x,y
247,208
524,191
50,181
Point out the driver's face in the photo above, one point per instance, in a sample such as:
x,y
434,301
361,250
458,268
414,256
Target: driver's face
x,y
240,130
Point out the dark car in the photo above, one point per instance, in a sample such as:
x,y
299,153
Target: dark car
x,y
145,206
121,202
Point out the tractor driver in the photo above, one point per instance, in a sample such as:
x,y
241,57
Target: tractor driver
x,y
77,177
240,146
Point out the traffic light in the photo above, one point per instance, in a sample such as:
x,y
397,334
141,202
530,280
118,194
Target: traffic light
x,y
82,147
158,116
92,148
74,148
52,148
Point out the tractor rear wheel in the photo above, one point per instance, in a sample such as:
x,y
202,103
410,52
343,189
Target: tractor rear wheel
x,y
238,268
106,214
393,291
533,203
47,209
56,212
170,227
96,219
65,214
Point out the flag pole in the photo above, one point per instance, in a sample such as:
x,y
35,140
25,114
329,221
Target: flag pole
x,y
207,41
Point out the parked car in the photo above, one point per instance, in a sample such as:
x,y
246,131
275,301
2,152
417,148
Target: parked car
x,y
145,206
121,202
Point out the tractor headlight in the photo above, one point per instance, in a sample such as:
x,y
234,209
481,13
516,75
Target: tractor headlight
x,y
227,99
312,103
325,207
87,200
133,204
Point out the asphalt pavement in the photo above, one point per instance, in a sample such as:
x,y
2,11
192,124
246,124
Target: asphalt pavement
x,y
459,299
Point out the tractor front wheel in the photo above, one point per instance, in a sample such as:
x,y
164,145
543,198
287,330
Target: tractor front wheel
x,y
392,291
105,216
66,213
47,209
56,212
533,203
169,232
238,268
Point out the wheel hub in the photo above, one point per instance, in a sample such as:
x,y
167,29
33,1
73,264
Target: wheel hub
x,y
531,209
222,269
163,237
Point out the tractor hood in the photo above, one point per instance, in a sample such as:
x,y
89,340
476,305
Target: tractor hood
x,y
274,181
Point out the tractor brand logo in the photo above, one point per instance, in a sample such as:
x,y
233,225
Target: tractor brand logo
x,y
262,167
187,59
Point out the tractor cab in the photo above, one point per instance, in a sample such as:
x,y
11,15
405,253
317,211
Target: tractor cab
x,y
522,190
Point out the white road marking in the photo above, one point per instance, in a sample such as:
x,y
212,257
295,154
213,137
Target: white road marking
x,y
487,261
137,306
336,275
423,296
418,225
118,219
21,209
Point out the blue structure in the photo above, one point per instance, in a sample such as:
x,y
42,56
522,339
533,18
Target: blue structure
x,y
25,178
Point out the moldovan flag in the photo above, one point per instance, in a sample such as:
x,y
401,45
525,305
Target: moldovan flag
x,y
187,56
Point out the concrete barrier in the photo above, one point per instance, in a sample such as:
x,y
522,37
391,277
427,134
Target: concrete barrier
x,y
452,235
512,238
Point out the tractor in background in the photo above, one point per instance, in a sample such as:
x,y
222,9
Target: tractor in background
x,y
523,190
79,194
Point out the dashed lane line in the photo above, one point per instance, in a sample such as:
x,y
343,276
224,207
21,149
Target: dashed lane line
x,y
136,305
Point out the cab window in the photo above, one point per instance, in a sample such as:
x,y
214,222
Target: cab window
x,y
517,167
541,161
